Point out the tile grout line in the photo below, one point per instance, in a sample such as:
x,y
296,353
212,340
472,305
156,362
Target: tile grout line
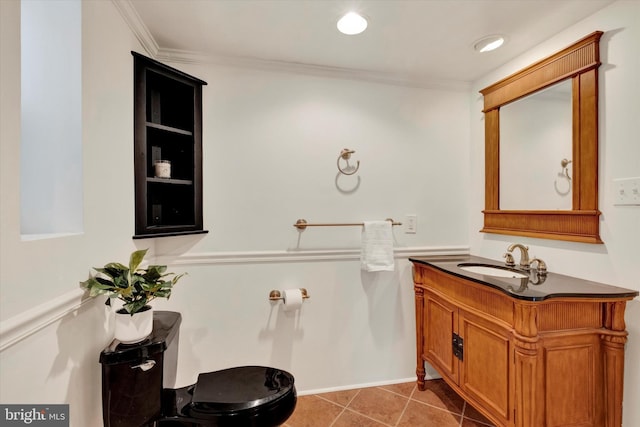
x,y
438,407
409,398
396,393
406,405
344,408
347,408
464,409
367,417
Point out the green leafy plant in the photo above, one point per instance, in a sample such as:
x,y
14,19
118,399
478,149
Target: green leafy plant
x,y
133,285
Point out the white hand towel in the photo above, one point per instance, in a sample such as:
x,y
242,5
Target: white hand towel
x,y
377,246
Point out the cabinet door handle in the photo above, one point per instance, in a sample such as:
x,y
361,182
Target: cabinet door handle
x,y
458,346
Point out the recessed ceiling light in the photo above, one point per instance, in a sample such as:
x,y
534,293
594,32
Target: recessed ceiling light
x,y
489,43
352,24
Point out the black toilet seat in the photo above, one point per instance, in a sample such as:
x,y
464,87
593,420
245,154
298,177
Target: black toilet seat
x,y
247,394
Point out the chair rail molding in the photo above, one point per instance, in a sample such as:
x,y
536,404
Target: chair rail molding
x,y
27,323
19,327
298,255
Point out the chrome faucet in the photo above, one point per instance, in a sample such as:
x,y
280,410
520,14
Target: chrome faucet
x,y
524,256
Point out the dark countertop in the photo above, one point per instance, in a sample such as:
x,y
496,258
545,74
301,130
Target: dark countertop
x,y
533,288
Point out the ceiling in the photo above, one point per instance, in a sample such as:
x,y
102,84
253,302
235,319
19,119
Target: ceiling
x,y
407,40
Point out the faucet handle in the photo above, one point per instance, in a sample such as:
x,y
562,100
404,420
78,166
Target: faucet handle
x,y
542,266
509,261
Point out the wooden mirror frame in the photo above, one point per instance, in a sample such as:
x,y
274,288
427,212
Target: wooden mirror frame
x,y
578,62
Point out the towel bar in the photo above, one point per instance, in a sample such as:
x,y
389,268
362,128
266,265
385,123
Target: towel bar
x,y
302,224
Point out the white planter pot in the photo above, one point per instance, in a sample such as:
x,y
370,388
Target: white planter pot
x,y
132,329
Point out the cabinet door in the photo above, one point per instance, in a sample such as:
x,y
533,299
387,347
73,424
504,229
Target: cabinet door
x,y
573,381
440,322
485,370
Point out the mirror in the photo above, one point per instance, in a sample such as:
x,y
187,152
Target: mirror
x,y
577,65
531,155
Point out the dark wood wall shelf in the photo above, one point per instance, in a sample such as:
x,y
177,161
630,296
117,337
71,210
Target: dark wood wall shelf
x,y
167,126
170,181
169,129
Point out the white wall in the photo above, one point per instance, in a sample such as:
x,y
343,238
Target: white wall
x,y
108,164
50,340
271,141
616,261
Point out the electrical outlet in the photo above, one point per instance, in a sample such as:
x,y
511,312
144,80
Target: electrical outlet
x,y
626,191
411,224
635,191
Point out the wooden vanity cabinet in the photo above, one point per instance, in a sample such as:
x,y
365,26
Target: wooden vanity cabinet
x,y
470,350
550,363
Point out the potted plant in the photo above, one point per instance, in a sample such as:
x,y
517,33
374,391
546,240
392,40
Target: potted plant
x,y
136,287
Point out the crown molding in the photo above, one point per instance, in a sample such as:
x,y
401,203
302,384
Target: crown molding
x,y
191,57
137,26
142,33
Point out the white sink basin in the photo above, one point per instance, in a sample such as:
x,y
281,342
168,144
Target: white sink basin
x,y
492,270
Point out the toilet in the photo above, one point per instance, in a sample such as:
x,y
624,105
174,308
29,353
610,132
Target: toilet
x,y
138,387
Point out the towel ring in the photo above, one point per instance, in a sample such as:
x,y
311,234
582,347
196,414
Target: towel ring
x,y
345,154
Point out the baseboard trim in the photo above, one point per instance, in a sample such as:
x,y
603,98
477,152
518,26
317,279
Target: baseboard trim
x,y
363,385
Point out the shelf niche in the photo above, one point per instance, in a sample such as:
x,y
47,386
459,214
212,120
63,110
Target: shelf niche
x,y
168,127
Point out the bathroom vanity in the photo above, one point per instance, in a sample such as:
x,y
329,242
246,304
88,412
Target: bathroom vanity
x,y
544,350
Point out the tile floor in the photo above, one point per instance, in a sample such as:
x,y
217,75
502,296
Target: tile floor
x,y
398,405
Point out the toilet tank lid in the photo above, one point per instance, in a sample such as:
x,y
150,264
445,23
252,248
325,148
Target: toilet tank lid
x,y
166,325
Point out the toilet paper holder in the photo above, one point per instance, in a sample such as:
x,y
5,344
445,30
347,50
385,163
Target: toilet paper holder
x,y
276,295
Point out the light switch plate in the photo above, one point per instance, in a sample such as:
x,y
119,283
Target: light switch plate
x,y
626,191
411,224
